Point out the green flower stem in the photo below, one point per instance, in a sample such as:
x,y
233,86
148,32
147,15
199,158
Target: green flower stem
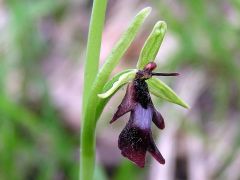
x,y
93,46
91,69
90,116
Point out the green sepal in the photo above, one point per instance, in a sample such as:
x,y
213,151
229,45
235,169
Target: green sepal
x,y
117,81
160,89
152,44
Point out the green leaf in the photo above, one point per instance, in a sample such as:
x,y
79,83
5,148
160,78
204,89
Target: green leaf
x,y
118,81
152,44
160,89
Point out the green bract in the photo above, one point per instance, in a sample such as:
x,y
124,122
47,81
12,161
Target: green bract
x,y
160,89
122,45
117,82
152,44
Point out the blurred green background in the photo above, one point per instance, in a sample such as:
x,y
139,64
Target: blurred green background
x,y
42,51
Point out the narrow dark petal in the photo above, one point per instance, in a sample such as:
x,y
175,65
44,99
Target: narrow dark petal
x,y
165,74
128,103
158,119
152,148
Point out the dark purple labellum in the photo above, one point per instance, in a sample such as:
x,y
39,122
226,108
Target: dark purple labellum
x,y
136,138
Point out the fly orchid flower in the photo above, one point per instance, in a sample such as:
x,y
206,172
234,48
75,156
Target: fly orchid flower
x,y
136,138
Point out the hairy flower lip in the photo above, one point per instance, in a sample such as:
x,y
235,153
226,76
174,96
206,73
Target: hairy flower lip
x,y
136,138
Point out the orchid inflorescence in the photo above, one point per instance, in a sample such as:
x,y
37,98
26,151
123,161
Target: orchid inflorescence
x,y
136,138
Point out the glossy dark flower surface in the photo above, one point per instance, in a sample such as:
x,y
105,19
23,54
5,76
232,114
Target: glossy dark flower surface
x,y
136,138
